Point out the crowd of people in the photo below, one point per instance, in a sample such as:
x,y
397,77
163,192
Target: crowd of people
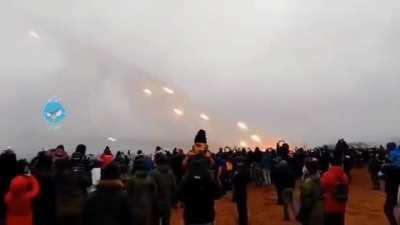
x,y
55,188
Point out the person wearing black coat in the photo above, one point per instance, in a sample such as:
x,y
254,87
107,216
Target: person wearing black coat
x,y
285,178
176,164
70,194
44,204
166,189
109,204
241,178
198,192
374,167
8,170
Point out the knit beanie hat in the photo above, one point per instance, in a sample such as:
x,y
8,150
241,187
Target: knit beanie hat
x,y
201,137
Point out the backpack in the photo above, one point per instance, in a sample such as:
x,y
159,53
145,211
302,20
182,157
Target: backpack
x,y
341,193
197,189
79,168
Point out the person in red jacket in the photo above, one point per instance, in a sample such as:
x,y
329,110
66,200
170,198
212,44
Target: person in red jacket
x,y
335,184
107,157
23,189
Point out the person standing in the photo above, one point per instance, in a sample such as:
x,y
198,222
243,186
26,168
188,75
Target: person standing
x,y
166,186
391,175
311,196
374,167
267,166
199,152
59,153
70,194
241,178
176,164
107,157
142,192
198,192
284,179
80,166
8,170
23,189
109,204
335,184
44,204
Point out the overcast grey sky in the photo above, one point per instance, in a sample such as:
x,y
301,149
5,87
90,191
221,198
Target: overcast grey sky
x,y
306,71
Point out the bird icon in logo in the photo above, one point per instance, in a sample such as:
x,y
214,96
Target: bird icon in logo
x,y
54,112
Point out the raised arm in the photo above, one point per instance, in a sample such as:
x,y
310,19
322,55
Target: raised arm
x,y
35,187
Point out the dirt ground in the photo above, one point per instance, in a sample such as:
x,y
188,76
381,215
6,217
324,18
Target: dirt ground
x,y
365,206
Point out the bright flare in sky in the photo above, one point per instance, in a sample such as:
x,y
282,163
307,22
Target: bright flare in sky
x,y
178,112
33,34
147,91
204,116
242,125
243,144
111,139
255,138
168,90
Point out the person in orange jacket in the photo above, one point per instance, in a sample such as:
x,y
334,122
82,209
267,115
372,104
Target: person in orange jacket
x,y
335,184
23,189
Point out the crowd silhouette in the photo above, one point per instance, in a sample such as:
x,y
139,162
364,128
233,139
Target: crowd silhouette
x,y
55,188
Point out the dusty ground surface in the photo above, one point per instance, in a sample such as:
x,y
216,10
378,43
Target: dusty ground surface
x,y
365,206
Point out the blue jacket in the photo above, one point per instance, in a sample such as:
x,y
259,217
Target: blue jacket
x,y
394,156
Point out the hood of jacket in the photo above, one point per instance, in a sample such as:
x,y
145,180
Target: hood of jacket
x,y
336,171
19,185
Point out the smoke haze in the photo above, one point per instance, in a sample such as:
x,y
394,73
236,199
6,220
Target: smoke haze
x,y
309,72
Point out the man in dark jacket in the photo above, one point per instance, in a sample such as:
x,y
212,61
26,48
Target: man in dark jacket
x,y
109,204
44,204
241,178
80,165
199,152
374,167
166,186
176,164
198,192
70,194
142,193
8,170
285,178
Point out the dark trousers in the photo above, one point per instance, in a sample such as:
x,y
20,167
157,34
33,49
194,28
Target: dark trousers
x,y
390,204
334,219
279,194
241,205
287,198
